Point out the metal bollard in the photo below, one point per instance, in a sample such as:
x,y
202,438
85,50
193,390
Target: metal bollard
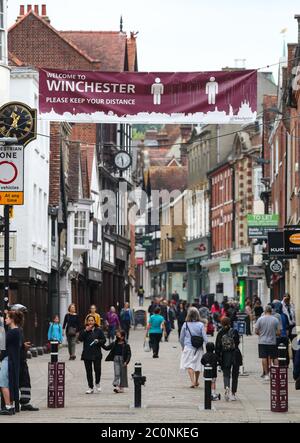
x,y
282,355
54,351
208,381
139,381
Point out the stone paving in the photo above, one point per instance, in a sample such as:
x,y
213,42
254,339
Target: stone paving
x,y
167,396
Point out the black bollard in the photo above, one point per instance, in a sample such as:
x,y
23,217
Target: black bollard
x,y
54,351
139,381
208,381
282,355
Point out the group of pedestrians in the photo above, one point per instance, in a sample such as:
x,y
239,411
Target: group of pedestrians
x,y
224,353
15,380
93,337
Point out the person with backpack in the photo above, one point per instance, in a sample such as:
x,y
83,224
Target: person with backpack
x,y
229,356
126,318
55,331
192,339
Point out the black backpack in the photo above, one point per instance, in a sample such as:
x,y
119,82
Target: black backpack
x,y
197,341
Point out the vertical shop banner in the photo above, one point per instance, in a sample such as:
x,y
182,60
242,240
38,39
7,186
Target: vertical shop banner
x,y
104,97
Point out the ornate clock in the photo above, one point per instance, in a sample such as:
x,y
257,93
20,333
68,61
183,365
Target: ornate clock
x,y
18,120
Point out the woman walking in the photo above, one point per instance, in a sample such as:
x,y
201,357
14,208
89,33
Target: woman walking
x,y
229,356
126,319
155,329
120,354
93,339
10,363
192,339
94,313
113,323
72,326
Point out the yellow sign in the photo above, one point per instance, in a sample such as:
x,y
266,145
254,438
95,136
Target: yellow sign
x,y
12,198
11,212
295,239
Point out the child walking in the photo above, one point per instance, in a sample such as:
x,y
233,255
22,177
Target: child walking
x,y
211,359
55,332
120,354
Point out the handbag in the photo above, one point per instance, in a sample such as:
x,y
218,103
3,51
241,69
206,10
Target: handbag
x,y
196,340
71,331
147,345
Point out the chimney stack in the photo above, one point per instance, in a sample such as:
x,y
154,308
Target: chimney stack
x,y
29,8
297,17
44,10
36,9
22,10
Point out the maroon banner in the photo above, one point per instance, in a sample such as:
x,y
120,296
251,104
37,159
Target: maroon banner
x,y
104,97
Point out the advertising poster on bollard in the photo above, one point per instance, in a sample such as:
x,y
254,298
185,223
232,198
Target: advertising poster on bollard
x,y
240,327
56,379
279,383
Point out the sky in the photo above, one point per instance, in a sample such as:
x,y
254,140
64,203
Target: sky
x,y
184,35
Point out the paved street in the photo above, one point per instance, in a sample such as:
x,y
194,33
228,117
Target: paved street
x,y
167,395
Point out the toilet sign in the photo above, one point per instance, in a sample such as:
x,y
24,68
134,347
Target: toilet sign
x,y
11,175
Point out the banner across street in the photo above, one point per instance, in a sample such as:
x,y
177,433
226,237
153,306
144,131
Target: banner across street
x,y
104,97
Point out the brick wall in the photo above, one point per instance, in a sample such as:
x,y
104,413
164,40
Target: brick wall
x,y
37,44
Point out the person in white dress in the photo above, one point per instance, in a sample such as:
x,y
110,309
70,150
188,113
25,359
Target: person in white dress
x,y
191,357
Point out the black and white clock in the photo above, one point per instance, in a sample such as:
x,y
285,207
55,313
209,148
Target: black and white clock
x,y
123,160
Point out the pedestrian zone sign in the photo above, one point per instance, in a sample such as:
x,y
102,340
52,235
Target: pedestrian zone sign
x,y
11,175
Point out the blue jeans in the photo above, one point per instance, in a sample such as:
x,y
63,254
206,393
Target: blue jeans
x,y
111,332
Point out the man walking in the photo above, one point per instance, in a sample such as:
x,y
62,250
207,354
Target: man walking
x,y
267,328
140,294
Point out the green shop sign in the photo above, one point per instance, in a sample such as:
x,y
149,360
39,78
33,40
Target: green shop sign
x,y
225,267
270,220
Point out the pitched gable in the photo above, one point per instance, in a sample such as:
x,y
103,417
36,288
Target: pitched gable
x,y
36,43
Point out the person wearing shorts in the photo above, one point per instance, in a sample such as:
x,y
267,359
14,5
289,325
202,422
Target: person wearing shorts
x,y
4,382
267,328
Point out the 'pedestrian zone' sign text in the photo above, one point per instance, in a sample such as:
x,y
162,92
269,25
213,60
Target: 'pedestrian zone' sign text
x,y
11,175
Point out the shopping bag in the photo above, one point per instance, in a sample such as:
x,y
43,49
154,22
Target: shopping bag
x,y
147,345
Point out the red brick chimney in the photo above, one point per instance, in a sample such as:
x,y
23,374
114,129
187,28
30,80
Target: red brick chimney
x,y
29,8
44,14
22,10
36,9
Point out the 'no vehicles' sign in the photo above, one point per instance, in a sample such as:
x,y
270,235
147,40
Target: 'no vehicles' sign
x,y
11,175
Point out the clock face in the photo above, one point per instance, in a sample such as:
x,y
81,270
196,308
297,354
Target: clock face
x,y
122,160
18,120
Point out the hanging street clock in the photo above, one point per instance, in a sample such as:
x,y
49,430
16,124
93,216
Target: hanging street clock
x,y
123,160
17,120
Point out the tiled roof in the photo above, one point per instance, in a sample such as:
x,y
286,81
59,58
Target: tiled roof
x,y
107,47
168,178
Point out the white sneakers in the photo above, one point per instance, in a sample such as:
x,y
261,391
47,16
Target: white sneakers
x,y
267,378
233,397
97,389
